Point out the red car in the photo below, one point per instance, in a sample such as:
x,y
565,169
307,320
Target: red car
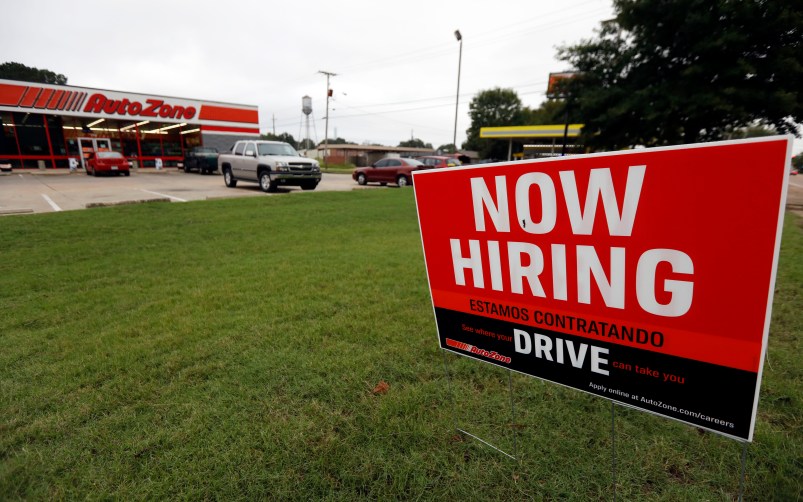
x,y
388,170
107,162
439,161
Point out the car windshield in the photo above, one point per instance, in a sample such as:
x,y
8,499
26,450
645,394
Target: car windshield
x,y
109,155
414,162
205,149
277,149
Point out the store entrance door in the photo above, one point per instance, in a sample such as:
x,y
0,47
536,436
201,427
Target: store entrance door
x,y
91,145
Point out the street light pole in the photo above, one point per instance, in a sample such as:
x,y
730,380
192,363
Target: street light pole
x,y
457,99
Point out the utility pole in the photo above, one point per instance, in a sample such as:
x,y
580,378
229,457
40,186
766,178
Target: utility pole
x,y
326,134
274,125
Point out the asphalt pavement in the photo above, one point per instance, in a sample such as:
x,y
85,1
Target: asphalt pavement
x,y
42,191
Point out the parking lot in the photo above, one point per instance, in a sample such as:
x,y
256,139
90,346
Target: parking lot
x,y
794,198
31,191
24,192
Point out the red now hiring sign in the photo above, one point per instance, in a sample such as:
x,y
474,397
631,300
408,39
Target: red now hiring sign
x,y
643,276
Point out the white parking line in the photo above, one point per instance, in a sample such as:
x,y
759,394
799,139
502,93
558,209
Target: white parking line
x,y
52,204
164,195
795,185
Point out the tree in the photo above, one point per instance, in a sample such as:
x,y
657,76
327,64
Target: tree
x,y
750,132
18,71
415,143
664,73
285,137
797,161
336,141
306,144
549,112
492,108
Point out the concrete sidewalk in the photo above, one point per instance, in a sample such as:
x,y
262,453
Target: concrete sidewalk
x,y
66,172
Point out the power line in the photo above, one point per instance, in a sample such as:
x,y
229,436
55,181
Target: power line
x,y
487,37
491,36
388,114
480,40
364,109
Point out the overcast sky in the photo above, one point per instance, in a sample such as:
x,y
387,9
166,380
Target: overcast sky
x,y
396,62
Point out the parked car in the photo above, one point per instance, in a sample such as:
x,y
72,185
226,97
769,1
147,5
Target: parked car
x,y
270,163
439,161
389,170
202,159
107,162
5,165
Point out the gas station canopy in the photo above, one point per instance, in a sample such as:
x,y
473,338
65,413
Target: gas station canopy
x,y
553,132
532,131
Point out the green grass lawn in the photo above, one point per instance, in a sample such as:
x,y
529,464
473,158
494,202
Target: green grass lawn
x,y
229,350
337,168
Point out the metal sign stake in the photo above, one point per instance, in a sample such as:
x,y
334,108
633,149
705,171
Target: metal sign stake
x,y
454,416
512,412
613,448
744,466
449,385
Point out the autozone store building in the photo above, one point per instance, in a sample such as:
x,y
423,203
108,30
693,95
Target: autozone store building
x,y
43,126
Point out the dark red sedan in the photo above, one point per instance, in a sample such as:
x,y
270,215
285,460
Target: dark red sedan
x,y
388,170
439,161
107,162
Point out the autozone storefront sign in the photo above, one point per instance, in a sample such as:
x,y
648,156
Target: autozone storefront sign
x,y
645,277
152,107
83,102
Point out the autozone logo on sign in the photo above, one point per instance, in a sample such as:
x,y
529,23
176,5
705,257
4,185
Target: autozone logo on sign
x,y
99,103
217,118
645,277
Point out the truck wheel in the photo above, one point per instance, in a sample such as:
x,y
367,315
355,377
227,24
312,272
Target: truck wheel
x,y
186,168
309,186
229,178
361,179
265,183
402,181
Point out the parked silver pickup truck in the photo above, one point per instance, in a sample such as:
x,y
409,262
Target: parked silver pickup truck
x,y
270,163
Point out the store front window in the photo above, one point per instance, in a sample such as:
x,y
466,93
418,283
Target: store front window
x,y
32,137
171,147
151,145
128,140
31,133
56,132
8,139
31,140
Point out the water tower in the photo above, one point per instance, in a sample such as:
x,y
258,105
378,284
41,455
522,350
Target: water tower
x,y
306,107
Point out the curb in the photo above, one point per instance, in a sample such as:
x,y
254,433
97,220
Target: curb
x,y
15,211
124,202
66,172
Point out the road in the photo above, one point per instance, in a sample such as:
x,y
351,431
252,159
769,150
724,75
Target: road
x,y
49,191
41,192
794,198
